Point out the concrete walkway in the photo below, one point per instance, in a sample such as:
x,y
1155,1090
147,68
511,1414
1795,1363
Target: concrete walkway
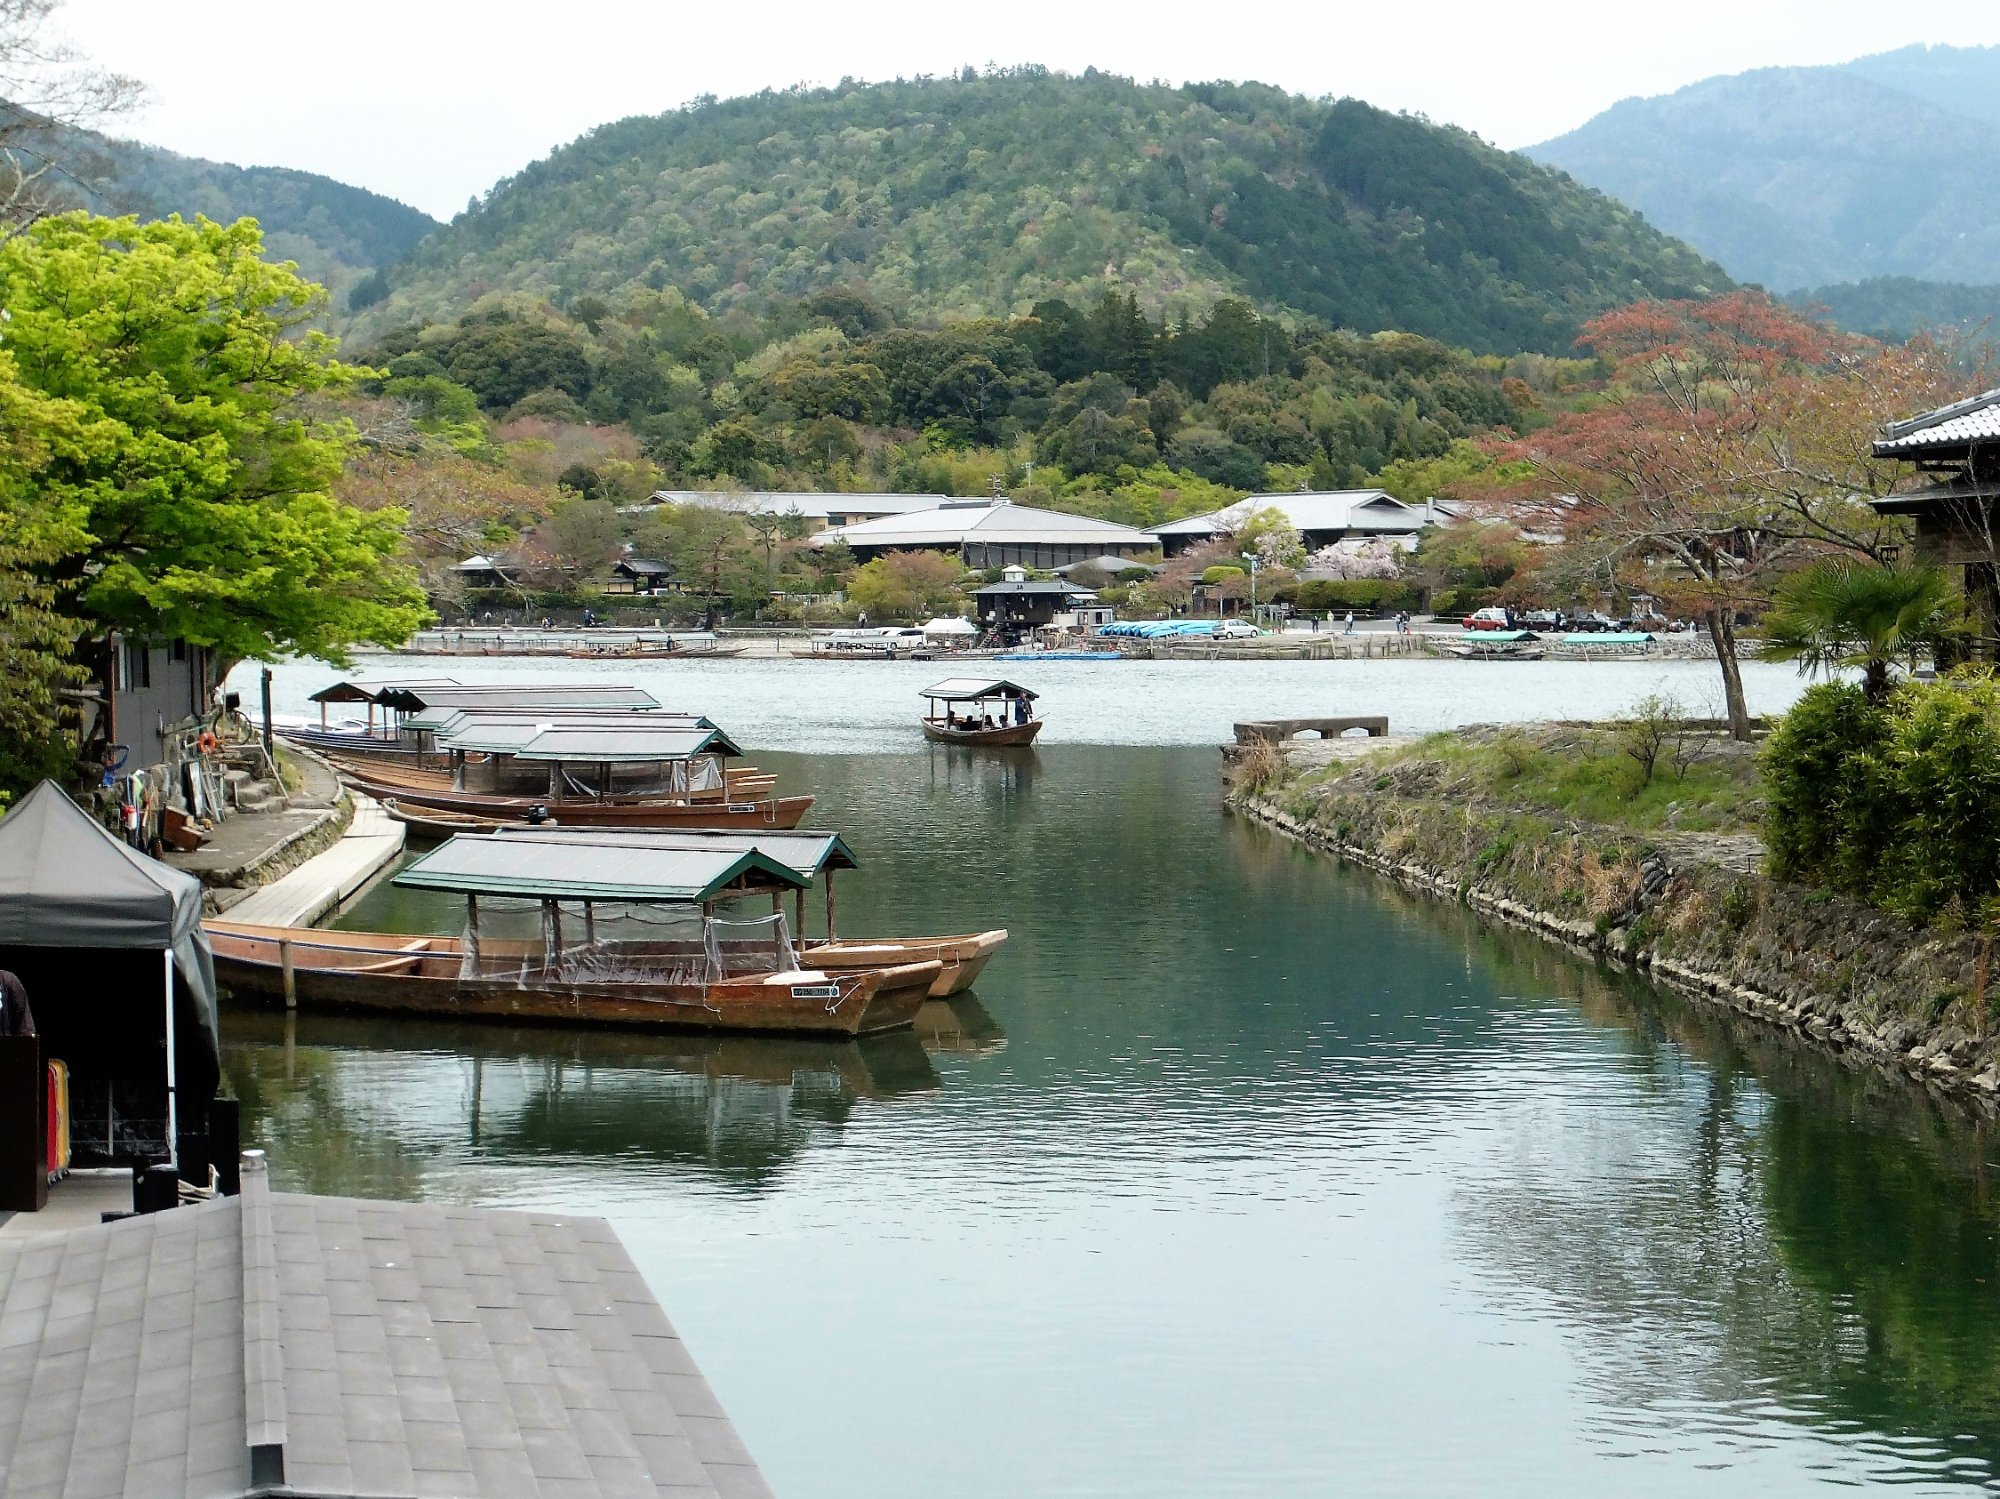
x,y
319,886
79,1200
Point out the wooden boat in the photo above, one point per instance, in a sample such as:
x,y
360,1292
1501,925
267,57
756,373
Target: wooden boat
x,y
392,972
591,812
982,711
963,957
714,975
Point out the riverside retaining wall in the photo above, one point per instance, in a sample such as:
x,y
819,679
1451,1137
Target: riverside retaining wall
x,y
1853,979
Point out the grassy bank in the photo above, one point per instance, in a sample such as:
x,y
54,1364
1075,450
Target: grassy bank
x,y
1644,847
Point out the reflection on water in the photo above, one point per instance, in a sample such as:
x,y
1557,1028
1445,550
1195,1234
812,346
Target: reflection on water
x,y
1243,1174
737,1107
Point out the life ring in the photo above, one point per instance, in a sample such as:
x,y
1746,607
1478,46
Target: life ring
x,y
207,744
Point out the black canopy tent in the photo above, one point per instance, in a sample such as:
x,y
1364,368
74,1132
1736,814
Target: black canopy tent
x,y
119,973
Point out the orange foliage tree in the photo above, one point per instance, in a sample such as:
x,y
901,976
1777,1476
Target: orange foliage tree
x,y
1730,443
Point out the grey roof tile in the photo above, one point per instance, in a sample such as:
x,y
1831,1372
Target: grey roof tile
x,y
424,1350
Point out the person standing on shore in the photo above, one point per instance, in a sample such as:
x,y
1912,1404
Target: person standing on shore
x,y
1349,630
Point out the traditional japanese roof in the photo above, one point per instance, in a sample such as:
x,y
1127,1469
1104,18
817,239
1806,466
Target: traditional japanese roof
x,y
965,689
800,502
502,731
428,706
1969,493
1032,586
1975,419
368,692
807,851
641,741
998,522
1330,510
281,1343
550,864
641,567
1107,564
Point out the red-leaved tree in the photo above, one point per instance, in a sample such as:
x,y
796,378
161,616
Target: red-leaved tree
x,y
1730,443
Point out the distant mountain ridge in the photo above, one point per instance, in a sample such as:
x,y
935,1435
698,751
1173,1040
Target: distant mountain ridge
x,y
336,232
978,195
1806,177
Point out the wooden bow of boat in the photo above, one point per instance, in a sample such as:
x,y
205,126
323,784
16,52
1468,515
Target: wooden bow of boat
x,y
963,957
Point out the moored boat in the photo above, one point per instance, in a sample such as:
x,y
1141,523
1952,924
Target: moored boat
x,y
982,711
717,975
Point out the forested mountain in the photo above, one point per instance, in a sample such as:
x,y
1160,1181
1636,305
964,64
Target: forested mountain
x,y
338,234
1801,177
1895,307
980,195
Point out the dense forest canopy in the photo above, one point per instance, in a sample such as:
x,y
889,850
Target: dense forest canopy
x,y
981,195
1099,410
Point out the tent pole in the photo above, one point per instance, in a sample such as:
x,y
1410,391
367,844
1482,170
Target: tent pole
x,y
173,1103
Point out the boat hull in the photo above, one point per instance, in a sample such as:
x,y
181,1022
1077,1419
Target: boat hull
x,y
964,956
1012,736
579,812
391,973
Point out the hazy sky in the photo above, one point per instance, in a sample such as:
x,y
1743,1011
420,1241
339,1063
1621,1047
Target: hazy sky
x,y
431,101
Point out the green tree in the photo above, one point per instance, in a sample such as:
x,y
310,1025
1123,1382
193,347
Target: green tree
x,y
200,475
708,550
907,585
1853,611
578,539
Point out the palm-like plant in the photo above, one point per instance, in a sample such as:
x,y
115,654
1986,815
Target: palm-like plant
x,y
1846,611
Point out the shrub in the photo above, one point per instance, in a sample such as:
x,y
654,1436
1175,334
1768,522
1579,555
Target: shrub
x,y
1459,601
1898,804
1220,574
1355,593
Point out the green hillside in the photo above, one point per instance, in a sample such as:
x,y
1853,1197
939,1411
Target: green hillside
x,y
982,195
338,234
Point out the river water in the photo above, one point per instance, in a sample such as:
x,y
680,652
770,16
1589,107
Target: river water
x,y
1243,1173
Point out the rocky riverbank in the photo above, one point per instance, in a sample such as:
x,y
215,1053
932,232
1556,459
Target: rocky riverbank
x,y
1688,904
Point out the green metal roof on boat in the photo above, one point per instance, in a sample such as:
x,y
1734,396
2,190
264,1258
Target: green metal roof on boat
x,y
603,745
966,689
809,851
371,692
543,866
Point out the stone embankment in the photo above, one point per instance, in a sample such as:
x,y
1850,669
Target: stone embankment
x,y
1692,909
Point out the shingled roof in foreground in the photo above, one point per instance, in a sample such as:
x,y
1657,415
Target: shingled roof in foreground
x,y
345,1348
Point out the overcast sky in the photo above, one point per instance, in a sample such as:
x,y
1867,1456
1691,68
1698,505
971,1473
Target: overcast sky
x,y
431,101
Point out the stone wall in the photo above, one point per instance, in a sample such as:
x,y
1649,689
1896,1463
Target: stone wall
x,y
1912,1000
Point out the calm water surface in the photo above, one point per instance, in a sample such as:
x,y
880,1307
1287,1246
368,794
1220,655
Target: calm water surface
x,y
1242,1174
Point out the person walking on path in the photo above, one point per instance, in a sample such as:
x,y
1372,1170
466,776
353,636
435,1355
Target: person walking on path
x,y
1349,630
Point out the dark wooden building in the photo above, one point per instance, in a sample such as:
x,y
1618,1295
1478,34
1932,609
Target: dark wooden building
x,y
1956,450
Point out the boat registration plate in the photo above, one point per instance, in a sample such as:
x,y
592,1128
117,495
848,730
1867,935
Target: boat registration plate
x,y
815,991
741,807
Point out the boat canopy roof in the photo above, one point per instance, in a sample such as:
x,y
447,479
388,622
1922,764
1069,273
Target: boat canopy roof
x,y
430,700
506,733
369,692
966,689
552,864
602,743
808,851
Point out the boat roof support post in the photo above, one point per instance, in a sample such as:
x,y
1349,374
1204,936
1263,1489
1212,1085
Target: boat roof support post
x,y
829,905
472,930
173,1079
799,912
552,936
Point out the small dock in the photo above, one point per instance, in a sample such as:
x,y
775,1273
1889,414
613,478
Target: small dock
x,y
1277,730
322,884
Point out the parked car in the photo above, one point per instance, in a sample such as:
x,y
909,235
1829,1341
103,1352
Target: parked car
x,y
1489,619
1236,629
1600,624
1544,619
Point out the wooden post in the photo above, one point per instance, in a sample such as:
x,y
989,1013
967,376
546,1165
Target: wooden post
x,y
799,914
552,949
472,930
829,906
590,923
285,966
